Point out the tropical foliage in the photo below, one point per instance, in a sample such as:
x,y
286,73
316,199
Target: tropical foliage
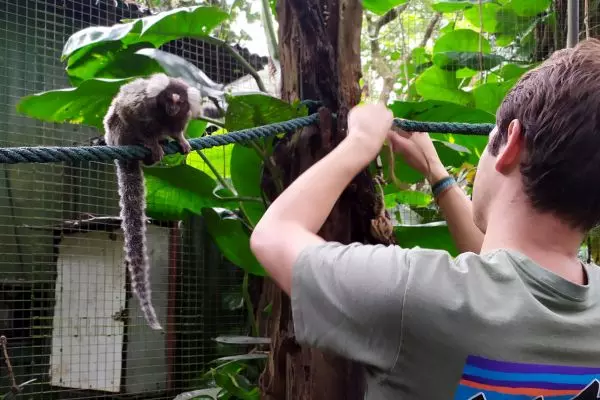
x,y
457,67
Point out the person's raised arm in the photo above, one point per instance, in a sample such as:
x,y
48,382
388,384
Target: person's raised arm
x,y
419,152
349,299
292,221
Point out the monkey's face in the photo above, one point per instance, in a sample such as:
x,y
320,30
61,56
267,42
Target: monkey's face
x,y
175,103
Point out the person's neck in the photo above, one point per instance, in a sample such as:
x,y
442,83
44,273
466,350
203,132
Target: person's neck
x,y
543,238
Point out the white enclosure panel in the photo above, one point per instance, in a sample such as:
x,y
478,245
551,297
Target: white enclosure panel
x,y
87,342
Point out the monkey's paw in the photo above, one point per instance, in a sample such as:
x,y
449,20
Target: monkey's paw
x,y
185,146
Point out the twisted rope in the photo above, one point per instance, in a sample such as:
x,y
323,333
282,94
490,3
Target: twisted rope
x,y
14,155
48,154
446,127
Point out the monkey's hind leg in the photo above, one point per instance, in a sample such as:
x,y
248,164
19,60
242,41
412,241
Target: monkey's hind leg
x,y
157,152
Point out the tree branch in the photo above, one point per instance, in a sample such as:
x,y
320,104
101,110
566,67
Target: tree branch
x,y
379,64
429,31
390,16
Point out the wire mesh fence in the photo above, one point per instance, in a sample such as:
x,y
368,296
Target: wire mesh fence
x,y
66,309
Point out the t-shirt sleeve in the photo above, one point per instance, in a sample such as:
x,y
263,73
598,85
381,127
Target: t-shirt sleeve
x,y
349,299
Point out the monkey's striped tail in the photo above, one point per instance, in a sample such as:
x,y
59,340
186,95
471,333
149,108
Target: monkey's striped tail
x,y
132,194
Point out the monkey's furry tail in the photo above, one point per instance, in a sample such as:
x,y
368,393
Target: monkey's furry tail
x,y
132,194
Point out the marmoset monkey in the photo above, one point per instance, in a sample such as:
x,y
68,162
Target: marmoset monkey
x,y
144,112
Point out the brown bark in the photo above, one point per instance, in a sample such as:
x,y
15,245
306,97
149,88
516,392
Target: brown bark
x,y
319,46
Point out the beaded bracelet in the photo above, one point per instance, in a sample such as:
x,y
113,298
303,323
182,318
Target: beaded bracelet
x,y
441,185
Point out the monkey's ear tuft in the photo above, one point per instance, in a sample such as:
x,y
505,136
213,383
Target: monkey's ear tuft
x,y
195,99
156,84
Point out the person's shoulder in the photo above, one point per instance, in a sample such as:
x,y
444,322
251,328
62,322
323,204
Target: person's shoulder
x,y
497,264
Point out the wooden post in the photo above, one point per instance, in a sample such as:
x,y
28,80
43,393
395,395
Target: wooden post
x,y
320,58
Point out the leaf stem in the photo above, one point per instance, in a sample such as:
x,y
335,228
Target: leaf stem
x,y
242,198
272,168
261,152
249,307
221,180
216,122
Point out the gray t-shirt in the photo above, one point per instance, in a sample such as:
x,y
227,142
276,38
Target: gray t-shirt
x,y
429,326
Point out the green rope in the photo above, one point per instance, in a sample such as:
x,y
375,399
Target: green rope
x,y
445,127
42,154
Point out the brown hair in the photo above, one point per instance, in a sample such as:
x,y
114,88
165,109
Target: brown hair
x,y
558,106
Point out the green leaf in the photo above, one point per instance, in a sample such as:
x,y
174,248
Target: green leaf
x,y
461,40
246,176
529,8
403,172
464,48
256,109
511,71
156,29
170,192
498,19
489,96
109,50
85,105
490,15
380,7
434,235
451,6
454,61
413,198
451,154
238,385
268,309
179,67
219,157
232,237
419,56
111,60
195,129
440,111
437,84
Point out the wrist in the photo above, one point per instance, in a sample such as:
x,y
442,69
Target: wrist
x,y
442,186
361,152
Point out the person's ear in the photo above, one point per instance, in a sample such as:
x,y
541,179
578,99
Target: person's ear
x,y
509,155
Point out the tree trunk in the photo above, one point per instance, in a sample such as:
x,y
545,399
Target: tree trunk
x,y
320,59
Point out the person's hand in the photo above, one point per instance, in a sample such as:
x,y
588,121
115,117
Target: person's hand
x,y
368,126
419,153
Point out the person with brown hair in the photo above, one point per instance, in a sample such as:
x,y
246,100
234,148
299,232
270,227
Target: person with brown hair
x,y
516,314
